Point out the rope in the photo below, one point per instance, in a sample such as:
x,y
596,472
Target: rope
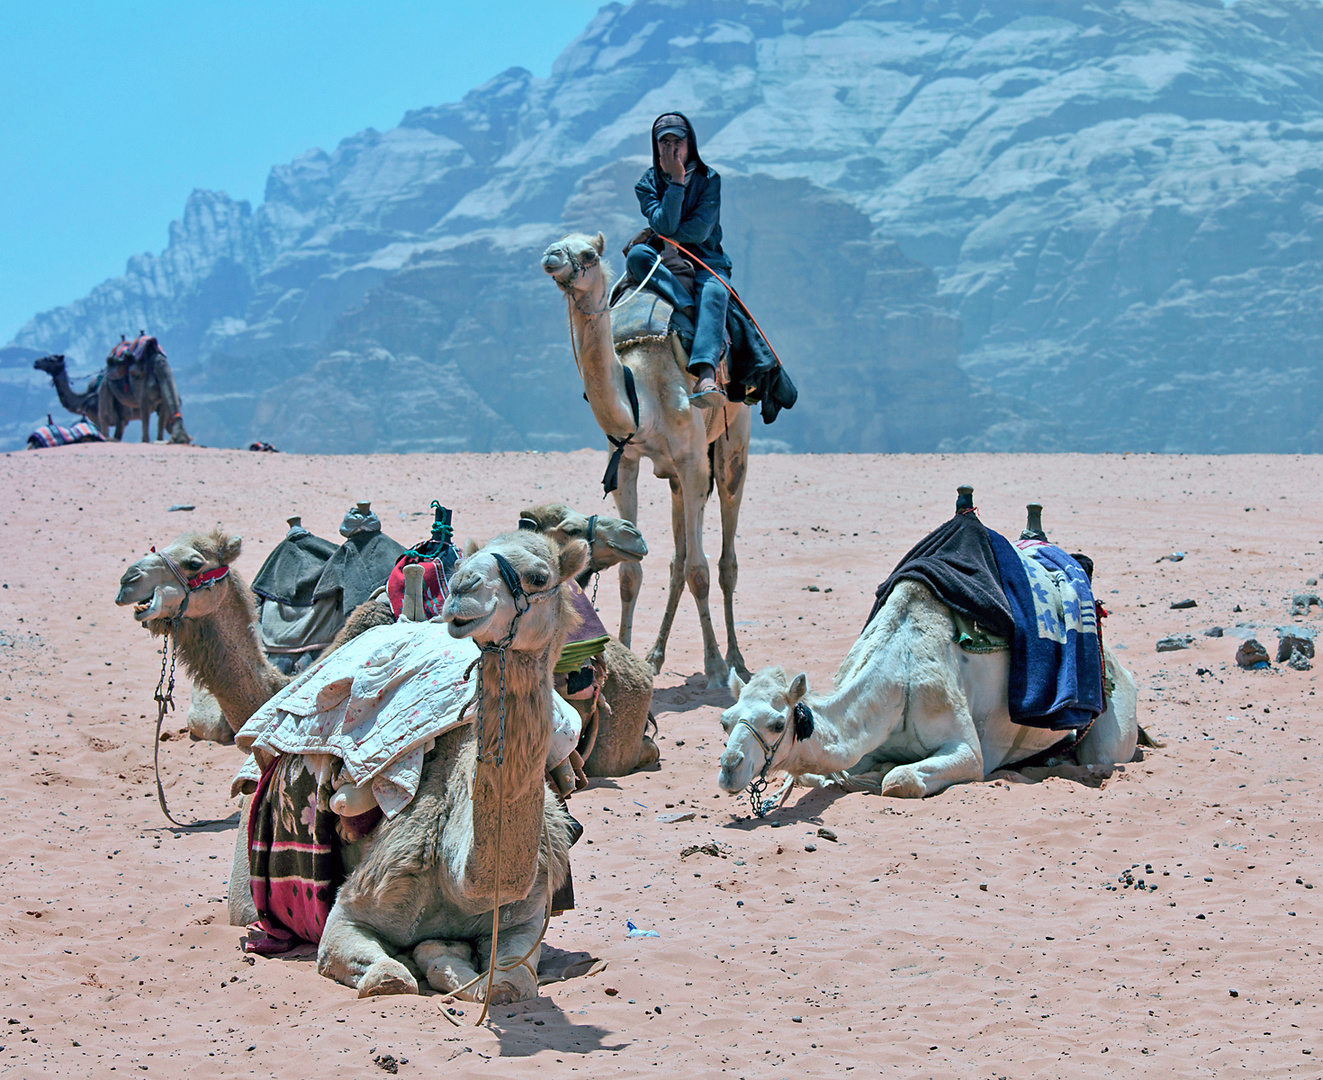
x,y
165,702
648,277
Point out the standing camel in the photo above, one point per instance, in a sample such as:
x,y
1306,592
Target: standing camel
x,y
694,449
146,386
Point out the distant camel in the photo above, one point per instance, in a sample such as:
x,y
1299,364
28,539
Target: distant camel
x,y
146,386
86,403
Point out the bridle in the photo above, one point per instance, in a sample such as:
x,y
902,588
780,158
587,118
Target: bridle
x,y
165,685
801,727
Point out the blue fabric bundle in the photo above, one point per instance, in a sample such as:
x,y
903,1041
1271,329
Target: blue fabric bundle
x,y
1056,662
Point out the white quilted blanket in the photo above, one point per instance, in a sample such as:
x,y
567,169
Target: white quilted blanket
x,y
378,703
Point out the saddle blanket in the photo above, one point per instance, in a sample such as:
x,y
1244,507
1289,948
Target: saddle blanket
x,y
1056,656
53,434
378,704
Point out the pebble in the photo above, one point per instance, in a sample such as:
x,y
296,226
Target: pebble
x,y
1302,602
1213,631
1179,605
1290,641
810,847
827,834
1175,642
671,819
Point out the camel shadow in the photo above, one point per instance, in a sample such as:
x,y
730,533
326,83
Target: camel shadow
x,y
807,809
690,695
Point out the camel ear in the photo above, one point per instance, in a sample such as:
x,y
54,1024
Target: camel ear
x,y
470,546
734,684
230,549
573,558
599,242
798,688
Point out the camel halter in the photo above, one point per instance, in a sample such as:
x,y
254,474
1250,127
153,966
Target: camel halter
x,y
522,601
801,727
165,685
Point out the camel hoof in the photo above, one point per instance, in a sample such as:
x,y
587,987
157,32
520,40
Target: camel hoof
x,y
648,754
508,989
903,783
386,977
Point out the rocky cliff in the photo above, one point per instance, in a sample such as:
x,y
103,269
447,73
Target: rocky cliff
x,y
964,225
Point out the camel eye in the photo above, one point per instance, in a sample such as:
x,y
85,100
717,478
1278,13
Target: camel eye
x,y
537,579
727,724
589,257
195,563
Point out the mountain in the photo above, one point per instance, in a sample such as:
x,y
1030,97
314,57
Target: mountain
x,y
964,224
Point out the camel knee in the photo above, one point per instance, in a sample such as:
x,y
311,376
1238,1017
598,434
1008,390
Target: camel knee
x,y
631,580
699,579
728,572
446,965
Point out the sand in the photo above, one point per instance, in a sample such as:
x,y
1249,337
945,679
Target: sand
x,y
986,932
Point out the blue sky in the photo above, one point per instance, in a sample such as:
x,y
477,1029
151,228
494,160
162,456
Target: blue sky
x,y
111,112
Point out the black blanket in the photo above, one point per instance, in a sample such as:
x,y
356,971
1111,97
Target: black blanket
x,y
957,563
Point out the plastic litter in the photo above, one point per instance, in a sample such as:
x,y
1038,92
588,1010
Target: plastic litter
x,y
1175,556
634,931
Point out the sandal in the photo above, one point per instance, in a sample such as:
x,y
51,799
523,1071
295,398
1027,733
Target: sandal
x,y
707,395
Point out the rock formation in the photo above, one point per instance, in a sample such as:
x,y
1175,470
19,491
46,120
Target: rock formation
x,y
965,226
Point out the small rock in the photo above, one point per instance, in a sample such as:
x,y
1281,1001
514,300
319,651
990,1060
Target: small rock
x,y
1175,642
387,1063
983,886
1179,605
610,991
1234,993
1291,641
810,846
1213,631
796,1019
181,506
1298,661
1312,582
671,819
827,834
811,588
1251,654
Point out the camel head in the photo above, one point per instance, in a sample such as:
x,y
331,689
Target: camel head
x,y
610,540
157,592
761,727
514,573
51,365
575,264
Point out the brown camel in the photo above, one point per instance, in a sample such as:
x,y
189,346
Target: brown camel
x,y
621,745
691,448
420,897
87,402
146,387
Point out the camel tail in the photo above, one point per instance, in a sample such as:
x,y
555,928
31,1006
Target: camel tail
x,y
1145,739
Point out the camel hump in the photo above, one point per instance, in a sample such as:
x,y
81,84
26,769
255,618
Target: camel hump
x,y
642,316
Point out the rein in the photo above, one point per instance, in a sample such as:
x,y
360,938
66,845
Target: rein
x,y
801,728
165,685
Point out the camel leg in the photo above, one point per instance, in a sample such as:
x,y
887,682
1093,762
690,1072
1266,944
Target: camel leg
x,y
631,573
731,462
1112,738
350,953
689,565
956,762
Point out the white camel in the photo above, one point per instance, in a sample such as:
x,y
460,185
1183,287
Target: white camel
x,y
911,713
694,449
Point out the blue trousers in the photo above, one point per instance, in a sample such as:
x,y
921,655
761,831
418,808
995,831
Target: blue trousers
x,y
710,323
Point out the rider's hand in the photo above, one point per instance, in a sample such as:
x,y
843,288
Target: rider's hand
x,y
672,166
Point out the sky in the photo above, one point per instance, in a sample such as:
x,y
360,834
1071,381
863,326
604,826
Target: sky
x,y
112,111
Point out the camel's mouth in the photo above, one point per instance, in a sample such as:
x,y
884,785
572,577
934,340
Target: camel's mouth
x,y
461,626
146,610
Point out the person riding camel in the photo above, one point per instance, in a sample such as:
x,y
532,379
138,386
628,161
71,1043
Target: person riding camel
x,y
680,198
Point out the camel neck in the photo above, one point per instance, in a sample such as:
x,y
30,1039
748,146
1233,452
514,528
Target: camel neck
x,y
528,709
844,729
222,651
603,374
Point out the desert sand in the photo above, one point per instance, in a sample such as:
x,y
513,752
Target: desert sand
x,y
985,932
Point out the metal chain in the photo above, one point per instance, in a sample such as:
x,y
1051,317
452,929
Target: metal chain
x,y
597,578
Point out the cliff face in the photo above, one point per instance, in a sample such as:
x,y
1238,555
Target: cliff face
x,y
963,225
